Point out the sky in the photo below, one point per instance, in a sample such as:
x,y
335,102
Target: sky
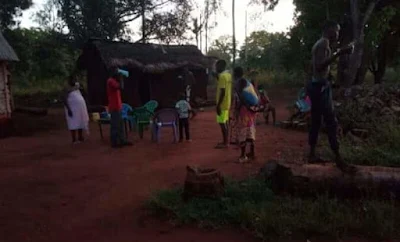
x,y
279,20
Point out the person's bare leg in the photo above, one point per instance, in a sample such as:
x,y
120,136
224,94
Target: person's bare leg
x,y
73,136
80,135
224,130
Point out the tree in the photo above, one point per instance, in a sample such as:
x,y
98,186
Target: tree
x,y
9,9
49,56
49,17
266,50
361,20
222,48
168,26
108,19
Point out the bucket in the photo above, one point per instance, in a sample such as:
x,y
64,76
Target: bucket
x,y
95,117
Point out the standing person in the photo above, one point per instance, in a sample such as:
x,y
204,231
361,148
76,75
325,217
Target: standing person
x,y
189,81
223,100
246,119
183,107
265,101
114,86
320,93
75,110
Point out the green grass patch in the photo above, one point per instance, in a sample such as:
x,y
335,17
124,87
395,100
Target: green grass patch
x,y
381,148
251,205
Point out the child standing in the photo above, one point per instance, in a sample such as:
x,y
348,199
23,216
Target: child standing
x,y
266,103
246,120
183,107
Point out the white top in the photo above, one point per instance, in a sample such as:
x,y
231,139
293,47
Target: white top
x,y
183,108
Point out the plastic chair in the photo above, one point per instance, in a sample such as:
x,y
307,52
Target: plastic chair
x,y
126,109
151,105
105,119
165,118
143,118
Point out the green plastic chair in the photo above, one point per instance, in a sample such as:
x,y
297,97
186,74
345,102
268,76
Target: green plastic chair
x,y
143,118
151,105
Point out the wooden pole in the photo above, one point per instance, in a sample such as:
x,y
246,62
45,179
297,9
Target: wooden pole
x,y
143,22
233,35
201,35
245,38
206,25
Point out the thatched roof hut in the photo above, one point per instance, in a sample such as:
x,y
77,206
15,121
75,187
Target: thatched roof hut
x,y
7,54
151,66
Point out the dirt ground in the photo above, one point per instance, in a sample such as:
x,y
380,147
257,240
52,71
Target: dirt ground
x,y
52,191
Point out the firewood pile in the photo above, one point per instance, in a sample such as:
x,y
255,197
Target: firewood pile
x,y
367,108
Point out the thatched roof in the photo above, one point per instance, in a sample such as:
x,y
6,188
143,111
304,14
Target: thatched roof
x,y
6,51
148,57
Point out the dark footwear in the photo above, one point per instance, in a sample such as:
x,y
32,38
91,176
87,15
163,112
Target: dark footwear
x,y
221,146
251,156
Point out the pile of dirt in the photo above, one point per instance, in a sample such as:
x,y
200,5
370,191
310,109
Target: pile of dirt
x,y
369,107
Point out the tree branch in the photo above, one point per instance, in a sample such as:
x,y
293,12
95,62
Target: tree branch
x,y
369,11
131,19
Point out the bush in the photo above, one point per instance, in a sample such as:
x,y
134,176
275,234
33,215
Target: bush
x,y
250,204
280,79
381,148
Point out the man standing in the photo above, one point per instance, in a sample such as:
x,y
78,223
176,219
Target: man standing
x,y
114,86
189,81
223,100
320,93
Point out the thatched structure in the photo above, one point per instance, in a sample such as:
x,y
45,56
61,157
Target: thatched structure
x,y
154,70
7,54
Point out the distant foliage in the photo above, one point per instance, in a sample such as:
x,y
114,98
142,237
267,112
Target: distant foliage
x,y
43,56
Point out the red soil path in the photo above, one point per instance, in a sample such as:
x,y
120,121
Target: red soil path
x,y
53,191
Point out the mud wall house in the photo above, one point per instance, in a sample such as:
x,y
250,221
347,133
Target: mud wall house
x,y
154,70
7,55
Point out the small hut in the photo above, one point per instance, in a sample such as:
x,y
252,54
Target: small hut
x,y
7,54
154,71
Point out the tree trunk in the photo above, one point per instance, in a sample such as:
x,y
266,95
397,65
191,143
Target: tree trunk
x,y
143,21
358,26
346,36
362,71
317,180
382,57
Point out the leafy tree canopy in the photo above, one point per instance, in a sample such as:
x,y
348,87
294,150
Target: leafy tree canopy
x,y
9,9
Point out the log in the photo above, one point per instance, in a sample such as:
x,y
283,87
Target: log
x,y
311,180
32,110
208,183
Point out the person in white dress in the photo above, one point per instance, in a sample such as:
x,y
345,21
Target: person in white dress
x,y
75,110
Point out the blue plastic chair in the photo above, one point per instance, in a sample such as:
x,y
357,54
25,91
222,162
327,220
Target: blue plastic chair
x,y
165,118
126,110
